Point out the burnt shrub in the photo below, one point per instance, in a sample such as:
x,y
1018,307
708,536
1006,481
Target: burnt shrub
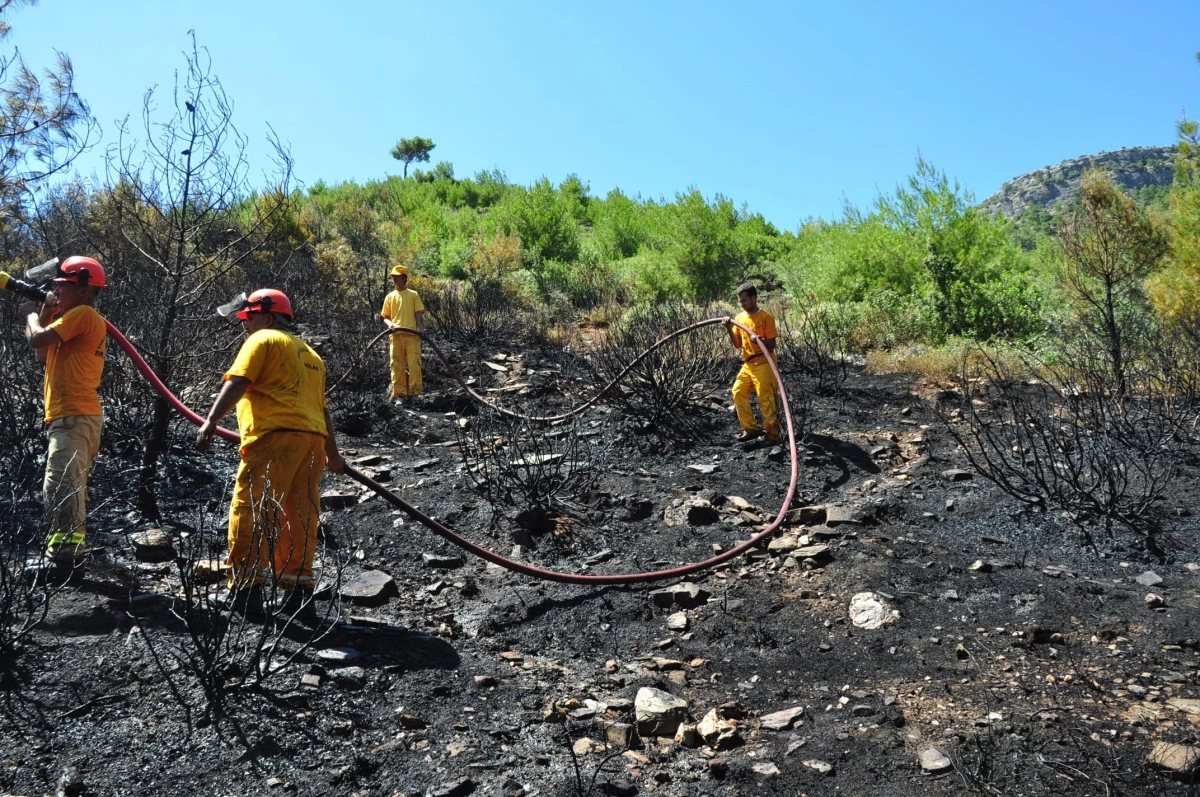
x,y
473,311
662,386
24,600
238,638
1067,436
516,462
817,342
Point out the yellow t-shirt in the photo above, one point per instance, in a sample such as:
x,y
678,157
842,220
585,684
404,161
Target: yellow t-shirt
x,y
287,386
401,308
74,367
763,324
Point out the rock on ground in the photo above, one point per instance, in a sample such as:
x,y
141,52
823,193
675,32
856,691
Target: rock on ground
x,y
869,610
934,760
658,713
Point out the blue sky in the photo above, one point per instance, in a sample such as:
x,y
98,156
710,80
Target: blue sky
x,y
791,108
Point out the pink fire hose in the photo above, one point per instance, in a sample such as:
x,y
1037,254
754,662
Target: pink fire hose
x,y
484,553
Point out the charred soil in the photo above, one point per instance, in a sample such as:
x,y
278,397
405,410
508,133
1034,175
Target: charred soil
x,y
1032,663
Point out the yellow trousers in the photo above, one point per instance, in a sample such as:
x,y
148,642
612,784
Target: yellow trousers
x,y
757,377
276,509
406,364
73,443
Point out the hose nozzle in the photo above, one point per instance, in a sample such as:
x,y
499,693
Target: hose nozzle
x,y
31,292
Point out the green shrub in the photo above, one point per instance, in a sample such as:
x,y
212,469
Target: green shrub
x,y
702,245
543,222
651,276
619,227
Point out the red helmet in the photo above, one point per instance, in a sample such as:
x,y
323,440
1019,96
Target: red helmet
x,y
82,271
267,300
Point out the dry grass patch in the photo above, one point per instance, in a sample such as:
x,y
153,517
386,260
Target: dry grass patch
x,y
945,364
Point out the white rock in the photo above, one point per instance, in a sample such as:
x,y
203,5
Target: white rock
x,y
781,720
677,621
783,545
338,655
934,760
1148,579
718,732
870,611
1186,705
1180,759
688,736
658,713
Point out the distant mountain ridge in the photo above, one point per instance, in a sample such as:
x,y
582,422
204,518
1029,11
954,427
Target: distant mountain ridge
x,y
1130,168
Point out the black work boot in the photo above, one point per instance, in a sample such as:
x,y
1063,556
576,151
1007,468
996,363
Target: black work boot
x,y
298,603
246,601
54,572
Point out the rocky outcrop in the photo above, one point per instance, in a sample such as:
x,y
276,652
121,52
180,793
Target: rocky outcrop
x,y
1132,167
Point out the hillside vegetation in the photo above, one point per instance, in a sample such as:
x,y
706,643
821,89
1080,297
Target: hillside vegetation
x,y
918,265
921,264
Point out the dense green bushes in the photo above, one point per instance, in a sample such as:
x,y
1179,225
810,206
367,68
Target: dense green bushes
x,y
928,259
920,265
690,248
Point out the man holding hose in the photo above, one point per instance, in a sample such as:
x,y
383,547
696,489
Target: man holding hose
x,y
277,383
69,336
403,308
755,376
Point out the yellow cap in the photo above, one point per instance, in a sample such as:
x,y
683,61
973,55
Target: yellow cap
x,y
398,271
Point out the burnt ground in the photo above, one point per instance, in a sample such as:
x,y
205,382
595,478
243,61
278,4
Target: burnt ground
x,y
1044,671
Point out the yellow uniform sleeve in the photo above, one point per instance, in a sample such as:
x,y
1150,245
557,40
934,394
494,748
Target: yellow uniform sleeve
x,y
389,306
250,359
75,322
768,331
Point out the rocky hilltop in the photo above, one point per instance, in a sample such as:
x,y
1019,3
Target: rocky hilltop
x,y
1131,167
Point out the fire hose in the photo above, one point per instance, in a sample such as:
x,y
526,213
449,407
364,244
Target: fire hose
x,y
486,554
581,408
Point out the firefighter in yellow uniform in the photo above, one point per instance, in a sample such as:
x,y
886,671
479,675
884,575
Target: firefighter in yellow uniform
x,y
277,383
70,337
755,375
402,308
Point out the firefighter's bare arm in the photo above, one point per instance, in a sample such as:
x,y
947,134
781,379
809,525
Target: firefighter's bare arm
x,y
40,338
734,332
333,458
36,321
233,389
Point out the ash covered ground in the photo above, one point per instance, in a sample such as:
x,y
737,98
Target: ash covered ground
x,y
1014,658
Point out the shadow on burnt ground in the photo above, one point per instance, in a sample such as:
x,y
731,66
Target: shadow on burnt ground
x,y
396,651
1042,754
509,617
843,454
17,708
